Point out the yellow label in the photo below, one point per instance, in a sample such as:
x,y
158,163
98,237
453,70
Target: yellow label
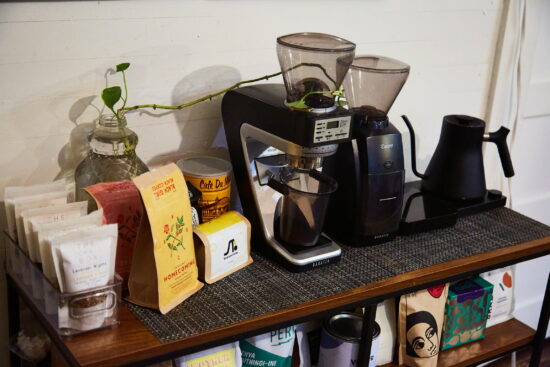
x,y
219,223
166,200
225,358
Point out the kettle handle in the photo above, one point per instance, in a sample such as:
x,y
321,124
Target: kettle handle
x,y
499,138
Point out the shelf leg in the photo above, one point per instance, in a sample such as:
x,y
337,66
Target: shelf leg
x,y
13,318
538,342
363,356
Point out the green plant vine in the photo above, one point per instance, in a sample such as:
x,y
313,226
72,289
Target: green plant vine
x,y
302,105
112,95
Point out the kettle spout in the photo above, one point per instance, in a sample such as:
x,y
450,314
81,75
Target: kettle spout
x,y
413,148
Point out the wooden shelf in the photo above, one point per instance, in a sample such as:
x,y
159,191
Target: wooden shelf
x,y
133,342
499,339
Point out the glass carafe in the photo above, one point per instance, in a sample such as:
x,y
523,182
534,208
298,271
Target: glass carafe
x,y
112,157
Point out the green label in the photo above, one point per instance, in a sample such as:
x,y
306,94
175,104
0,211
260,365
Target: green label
x,y
253,356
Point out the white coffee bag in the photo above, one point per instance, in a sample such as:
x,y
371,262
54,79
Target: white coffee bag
x,y
49,214
269,349
46,232
21,204
502,306
385,317
13,192
85,258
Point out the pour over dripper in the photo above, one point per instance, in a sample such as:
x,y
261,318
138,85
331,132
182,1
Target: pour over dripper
x,y
314,62
372,84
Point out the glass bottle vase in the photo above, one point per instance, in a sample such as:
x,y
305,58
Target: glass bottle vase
x,y
112,157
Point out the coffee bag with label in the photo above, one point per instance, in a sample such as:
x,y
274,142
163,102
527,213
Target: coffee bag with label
x,y
222,246
84,260
49,214
272,349
121,204
502,306
29,202
164,269
48,231
421,326
228,355
13,192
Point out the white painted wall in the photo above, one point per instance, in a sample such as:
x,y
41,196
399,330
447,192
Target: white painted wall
x,y
54,57
531,153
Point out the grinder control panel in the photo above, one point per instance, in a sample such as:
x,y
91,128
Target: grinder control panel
x,y
332,129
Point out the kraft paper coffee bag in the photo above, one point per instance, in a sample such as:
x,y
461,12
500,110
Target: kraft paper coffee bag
x,y
164,270
420,326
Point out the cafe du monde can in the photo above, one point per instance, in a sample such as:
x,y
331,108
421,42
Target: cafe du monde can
x,y
212,176
340,341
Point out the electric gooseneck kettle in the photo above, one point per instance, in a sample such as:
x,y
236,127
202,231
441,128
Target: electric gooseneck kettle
x,y
456,170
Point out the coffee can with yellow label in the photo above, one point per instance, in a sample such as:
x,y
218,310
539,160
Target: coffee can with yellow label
x,y
212,176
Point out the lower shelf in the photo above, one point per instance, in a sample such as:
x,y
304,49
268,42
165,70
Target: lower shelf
x,y
499,339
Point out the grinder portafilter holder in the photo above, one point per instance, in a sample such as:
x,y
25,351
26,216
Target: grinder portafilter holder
x,y
314,62
302,208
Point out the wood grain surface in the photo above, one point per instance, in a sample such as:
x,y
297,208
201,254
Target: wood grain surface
x,y
132,341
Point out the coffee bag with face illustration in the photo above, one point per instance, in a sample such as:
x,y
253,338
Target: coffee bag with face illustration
x,y
420,326
164,269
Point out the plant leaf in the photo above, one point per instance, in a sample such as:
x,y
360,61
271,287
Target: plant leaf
x,y
123,66
111,96
341,102
297,104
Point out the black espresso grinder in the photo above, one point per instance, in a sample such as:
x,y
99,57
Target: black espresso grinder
x,y
366,208
454,182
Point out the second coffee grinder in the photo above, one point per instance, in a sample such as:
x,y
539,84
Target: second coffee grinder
x,y
366,208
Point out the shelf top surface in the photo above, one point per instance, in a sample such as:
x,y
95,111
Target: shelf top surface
x,y
265,295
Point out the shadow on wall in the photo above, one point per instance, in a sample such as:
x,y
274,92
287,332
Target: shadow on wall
x,y
200,125
78,146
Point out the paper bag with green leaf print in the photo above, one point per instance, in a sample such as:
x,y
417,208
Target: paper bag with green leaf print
x,y
164,269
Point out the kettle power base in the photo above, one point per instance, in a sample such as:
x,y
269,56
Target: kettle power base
x,y
424,212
